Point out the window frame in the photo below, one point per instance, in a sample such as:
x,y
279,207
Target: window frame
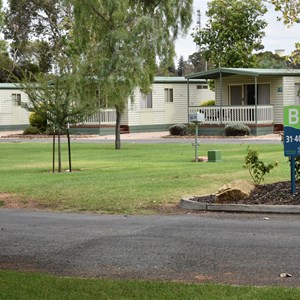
x,y
146,100
16,99
169,95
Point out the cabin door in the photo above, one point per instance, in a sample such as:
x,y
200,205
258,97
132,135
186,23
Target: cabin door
x,y
236,95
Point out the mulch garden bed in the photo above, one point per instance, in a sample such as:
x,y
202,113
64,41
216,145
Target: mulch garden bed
x,y
278,193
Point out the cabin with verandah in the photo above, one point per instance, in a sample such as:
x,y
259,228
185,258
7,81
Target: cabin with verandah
x,y
254,97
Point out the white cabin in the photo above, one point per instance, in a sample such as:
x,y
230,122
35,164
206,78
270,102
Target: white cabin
x,y
165,105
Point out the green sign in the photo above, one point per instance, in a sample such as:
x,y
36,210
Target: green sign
x,y
291,116
291,121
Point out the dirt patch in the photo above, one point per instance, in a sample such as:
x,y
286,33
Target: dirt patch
x,y
10,200
278,193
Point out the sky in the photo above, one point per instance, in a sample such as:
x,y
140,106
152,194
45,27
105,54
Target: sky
x,y
278,36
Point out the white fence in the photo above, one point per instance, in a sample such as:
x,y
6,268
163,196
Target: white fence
x,y
235,114
103,117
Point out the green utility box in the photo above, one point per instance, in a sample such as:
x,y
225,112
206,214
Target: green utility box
x,y
214,156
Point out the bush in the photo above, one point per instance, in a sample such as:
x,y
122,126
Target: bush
x,y
237,129
257,168
178,129
208,103
31,130
38,121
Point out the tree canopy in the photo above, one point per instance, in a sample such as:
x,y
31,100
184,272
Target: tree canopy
x,y
37,29
290,10
233,31
269,60
119,43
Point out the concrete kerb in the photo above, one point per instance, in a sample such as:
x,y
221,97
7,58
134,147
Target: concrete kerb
x,y
246,208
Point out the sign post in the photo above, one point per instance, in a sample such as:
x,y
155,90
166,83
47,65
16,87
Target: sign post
x,y
292,138
196,118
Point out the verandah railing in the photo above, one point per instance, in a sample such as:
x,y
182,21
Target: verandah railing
x,y
213,115
104,117
235,114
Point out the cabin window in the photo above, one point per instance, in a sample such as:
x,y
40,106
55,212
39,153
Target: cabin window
x,y
168,95
202,87
16,98
146,100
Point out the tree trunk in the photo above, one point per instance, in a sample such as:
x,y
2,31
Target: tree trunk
x,y
69,148
59,151
118,129
53,152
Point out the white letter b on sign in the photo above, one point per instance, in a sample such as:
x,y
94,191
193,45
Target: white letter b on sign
x,y
293,116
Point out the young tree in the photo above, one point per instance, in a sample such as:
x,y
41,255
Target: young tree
x,y
180,68
233,31
123,40
66,94
57,98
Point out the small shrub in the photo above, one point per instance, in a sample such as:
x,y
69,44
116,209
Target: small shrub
x,y
178,129
191,127
297,167
39,121
31,130
208,103
256,167
237,129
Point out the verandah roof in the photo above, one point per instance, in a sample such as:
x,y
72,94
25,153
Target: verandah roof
x,y
216,73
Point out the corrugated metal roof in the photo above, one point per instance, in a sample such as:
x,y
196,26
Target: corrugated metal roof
x,y
157,79
9,86
215,73
162,79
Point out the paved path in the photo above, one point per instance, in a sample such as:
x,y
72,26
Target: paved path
x,y
231,249
147,138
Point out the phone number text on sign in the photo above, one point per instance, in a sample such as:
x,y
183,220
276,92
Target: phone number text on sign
x,y
291,139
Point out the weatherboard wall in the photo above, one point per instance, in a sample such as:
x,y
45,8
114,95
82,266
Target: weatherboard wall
x,y
163,112
12,116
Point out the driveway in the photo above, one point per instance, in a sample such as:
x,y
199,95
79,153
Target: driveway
x,y
206,247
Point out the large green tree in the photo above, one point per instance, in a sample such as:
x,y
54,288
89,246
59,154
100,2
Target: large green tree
x,y
233,31
293,59
290,10
124,40
269,60
36,29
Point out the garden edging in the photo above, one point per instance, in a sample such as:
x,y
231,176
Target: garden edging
x,y
201,206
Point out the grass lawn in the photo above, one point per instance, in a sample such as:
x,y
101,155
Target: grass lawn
x,y
32,286
130,180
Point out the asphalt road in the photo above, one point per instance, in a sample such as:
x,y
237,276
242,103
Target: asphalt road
x,y
223,248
